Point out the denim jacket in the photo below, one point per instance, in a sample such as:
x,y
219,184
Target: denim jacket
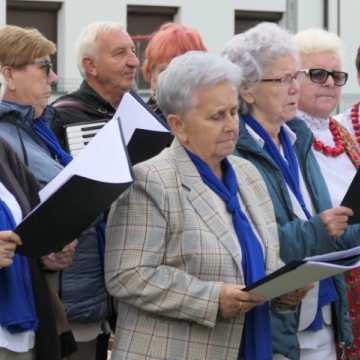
x,y
299,238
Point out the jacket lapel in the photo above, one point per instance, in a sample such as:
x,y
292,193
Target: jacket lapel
x,y
200,199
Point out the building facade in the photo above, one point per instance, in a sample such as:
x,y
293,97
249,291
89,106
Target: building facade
x,y
217,21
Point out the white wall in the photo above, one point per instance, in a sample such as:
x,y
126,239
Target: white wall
x,y
214,29
349,32
2,12
260,5
73,16
309,14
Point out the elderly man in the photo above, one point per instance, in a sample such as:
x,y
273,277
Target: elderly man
x,y
107,62
335,147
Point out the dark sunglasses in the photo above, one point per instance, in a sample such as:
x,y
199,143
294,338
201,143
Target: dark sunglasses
x,y
44,64
320,76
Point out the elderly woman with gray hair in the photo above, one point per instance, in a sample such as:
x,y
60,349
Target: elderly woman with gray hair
x,y
281,151
196,226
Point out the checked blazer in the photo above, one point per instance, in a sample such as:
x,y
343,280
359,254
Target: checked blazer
x,y
168,252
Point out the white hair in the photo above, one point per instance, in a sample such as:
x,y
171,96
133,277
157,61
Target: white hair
x,y
189,72
318,40
257,48
87,41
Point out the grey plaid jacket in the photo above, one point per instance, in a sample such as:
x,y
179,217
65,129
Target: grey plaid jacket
x,y
168,252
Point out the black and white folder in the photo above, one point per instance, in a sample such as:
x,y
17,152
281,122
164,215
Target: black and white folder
x,y
298,274
99,173
352,199
78,195
145,133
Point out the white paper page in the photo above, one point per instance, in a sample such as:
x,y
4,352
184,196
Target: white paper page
x,y
103,159
303,275
134,116
336,255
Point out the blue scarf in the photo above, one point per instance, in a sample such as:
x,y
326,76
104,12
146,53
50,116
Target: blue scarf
x,y
17,307
290,171
256,338
51,141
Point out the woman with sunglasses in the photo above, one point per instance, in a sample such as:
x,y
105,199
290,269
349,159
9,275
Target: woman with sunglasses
x,y
33,323
279,145
335,144
25,118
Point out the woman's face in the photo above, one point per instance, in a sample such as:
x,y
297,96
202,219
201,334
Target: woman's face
x,y
31,85
271,101
210,129
320,100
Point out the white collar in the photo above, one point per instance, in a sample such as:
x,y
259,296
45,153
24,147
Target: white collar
x,y
313,123
260,141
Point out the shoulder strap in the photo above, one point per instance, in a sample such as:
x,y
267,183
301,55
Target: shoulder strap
x,y
76,104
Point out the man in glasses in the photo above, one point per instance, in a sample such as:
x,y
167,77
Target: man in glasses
x,y
335,146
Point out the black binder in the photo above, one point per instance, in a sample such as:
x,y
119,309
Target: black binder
x,y
80,200
352,199
298,274
63,216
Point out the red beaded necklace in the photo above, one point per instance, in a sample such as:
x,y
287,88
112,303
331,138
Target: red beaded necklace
x,y
355,121
327,150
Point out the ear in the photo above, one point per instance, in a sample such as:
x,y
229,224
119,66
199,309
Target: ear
x,y
178,127
247,94
89,66
358,77
7,74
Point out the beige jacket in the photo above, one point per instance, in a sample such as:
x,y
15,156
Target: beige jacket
x,y
168,252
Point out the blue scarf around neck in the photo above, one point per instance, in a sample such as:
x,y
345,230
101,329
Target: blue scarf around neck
x,y
51,141
17,306
290,170
256,338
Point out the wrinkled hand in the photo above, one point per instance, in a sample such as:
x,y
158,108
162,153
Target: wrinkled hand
x,y
233,301
60,260
336,220
291,300
8,242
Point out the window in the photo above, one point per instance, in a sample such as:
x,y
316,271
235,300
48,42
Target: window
x,y
142,21
244,20
37,14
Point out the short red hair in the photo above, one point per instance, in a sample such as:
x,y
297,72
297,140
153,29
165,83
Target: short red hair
x,y
168,42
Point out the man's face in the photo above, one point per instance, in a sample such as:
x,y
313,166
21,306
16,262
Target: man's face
x,y
115,64
320,100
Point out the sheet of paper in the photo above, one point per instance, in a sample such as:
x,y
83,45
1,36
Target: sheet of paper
x,y
103,159
134,116
305,274
335,255
314,268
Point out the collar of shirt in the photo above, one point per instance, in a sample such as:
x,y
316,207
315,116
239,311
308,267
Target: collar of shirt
x,y
260,141
314,123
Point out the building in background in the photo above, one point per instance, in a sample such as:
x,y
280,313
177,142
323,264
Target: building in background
x,y
62,21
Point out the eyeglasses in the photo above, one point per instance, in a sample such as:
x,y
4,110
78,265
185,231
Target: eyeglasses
x,y
320,76
45,64
288,78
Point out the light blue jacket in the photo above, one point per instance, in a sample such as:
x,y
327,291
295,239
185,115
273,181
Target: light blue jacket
x,y
82,285
299,238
